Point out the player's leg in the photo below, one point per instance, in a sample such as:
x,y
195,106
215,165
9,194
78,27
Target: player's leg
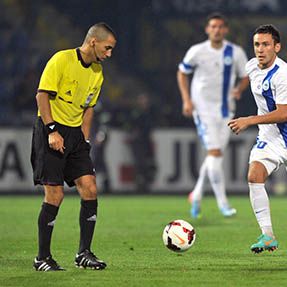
x,y
47,171
46,220
264,159
198,191
215,137
86,186
257,175
217,181
220,135
196,195
79,171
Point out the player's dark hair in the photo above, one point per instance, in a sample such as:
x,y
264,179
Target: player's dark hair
x,y
101,31
269,29
218,16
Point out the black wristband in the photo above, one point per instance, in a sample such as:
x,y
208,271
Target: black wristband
x,y
51,127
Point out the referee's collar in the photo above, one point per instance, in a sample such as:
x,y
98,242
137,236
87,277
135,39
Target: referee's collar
x,y
85,65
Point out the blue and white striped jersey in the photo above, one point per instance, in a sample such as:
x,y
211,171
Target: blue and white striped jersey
x,y
214,74
269,87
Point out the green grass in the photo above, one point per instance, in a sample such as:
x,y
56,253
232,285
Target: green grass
x,y
128,238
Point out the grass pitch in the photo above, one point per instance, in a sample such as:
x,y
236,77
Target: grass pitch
x,y
128,238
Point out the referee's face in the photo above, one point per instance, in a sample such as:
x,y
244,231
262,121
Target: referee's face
x,y
216,30
103,49
265,49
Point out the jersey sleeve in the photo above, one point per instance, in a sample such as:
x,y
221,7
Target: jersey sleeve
x,y
189,61
249,67
241,62
281,88
52,74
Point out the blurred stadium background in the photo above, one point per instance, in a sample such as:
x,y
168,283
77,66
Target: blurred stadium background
x,y
152,38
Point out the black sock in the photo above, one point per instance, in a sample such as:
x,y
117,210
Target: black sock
x,y
46,223
88,217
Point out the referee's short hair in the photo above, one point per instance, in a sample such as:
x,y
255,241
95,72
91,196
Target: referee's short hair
x,y
100,31
269,29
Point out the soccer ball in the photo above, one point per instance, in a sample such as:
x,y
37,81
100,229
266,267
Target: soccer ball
x,y
178,235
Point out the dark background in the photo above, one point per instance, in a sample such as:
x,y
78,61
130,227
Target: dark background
x,y
153,37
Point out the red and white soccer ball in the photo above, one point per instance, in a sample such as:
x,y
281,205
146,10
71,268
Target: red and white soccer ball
x,y
178,235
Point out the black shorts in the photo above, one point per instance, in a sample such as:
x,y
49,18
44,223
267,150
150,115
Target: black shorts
x,y
51,167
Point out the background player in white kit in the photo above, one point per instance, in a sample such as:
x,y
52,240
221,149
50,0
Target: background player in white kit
x,y
268,78
216,64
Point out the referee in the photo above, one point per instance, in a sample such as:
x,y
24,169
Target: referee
x,y
68,90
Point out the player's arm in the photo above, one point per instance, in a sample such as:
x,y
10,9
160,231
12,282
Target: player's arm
x,y
183,85
277,116
240,87
240,64
87,122
44,107
55,140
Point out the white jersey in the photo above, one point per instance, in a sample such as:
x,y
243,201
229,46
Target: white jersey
x,y
214,75
269,87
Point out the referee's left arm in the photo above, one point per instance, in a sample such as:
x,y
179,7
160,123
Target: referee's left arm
x,y
87,122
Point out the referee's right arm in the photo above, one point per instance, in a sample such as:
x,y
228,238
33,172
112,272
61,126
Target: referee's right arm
x,y
56,141
44,107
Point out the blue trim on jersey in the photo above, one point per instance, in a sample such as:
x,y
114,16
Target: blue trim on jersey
x,y
187,67
268,95
227,58
200,130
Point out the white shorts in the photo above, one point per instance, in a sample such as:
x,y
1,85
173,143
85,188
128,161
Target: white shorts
x,y
213,132
270,156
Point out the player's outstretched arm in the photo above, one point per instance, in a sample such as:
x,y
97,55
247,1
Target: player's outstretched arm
x,y
240,124
277,116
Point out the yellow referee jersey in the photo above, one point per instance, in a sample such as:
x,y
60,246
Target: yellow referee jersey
x,y
72,85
